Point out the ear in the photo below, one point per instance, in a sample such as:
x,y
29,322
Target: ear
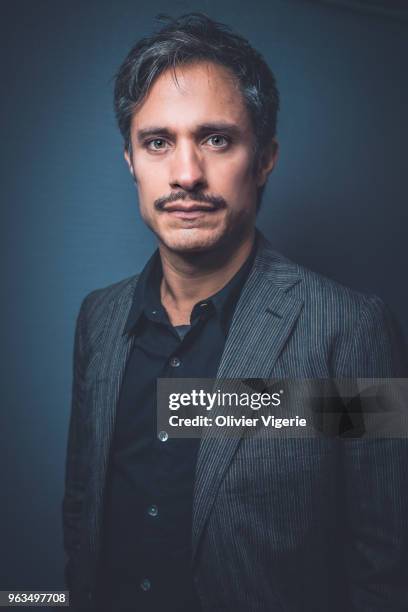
x,y
267,161
128,160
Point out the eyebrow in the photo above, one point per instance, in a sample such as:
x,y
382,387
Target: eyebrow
x,y
220,126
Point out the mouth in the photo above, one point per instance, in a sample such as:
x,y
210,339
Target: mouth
x,y
189,211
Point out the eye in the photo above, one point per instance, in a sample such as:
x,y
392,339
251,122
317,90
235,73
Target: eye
x,y
157,144
217,141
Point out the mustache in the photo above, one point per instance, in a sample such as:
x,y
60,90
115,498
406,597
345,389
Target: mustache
x,y
195,196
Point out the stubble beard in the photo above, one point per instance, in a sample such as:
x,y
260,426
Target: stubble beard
x,y
224,237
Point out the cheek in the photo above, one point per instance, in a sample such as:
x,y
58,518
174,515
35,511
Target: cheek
x,y
238,176
143,174
150,183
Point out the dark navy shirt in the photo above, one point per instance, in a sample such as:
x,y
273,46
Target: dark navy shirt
x,y
146,554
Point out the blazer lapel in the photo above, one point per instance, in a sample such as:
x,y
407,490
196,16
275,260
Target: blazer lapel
x,y
262,322
112,359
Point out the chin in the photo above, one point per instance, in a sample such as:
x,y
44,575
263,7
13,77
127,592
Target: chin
x,y
192,241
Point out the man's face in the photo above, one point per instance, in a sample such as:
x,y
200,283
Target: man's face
x,y
193,159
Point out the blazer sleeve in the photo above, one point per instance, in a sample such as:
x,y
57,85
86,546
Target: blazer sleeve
x,y
375,474
75,466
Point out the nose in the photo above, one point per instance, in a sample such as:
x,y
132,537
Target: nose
x,y
187,171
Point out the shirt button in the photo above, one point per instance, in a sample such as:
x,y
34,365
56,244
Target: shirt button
x,y
163,436
175,362
145,585
153,510
203,305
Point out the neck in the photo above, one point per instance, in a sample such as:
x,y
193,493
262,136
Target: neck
x,y
191,277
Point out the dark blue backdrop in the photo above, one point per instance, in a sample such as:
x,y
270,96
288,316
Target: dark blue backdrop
x,y
336,201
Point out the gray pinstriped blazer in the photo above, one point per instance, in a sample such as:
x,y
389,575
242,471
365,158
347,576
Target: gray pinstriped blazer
x,y
282,525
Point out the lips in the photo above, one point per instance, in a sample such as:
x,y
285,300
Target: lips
x,y
189,211
189,208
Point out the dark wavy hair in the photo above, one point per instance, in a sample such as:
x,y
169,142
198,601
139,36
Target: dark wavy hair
x,y
190,38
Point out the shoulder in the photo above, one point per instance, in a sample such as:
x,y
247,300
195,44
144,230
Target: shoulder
x,y
356,331
317,292
101,298
97,304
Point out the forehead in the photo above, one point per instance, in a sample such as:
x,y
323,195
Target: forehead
x,y
191,95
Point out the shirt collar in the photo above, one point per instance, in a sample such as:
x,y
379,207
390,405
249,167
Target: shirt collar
x,y
147,292
146,301
226,298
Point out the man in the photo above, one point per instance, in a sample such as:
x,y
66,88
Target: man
x,y
225,524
